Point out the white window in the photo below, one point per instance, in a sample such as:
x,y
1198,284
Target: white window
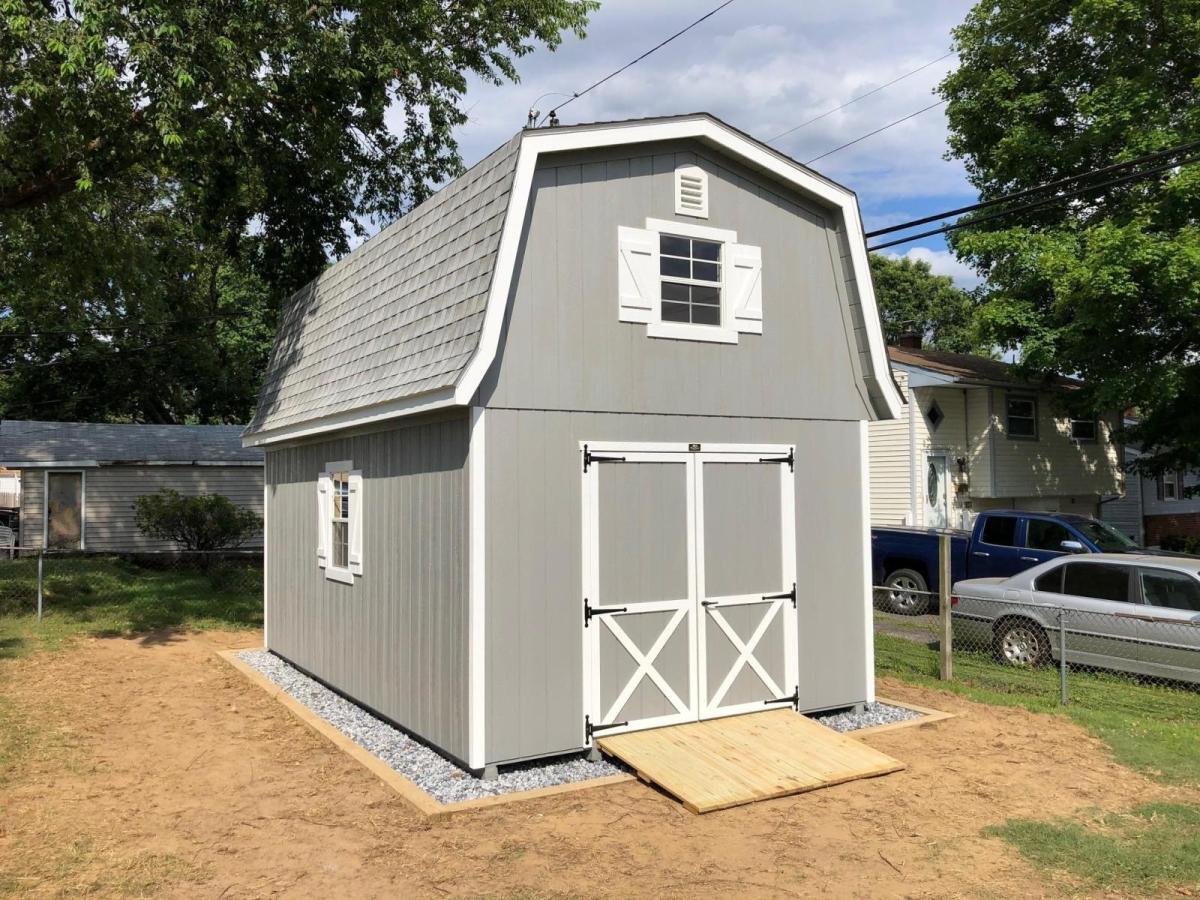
x,y
1169,486
1022,418
1083,430
339,521
689,282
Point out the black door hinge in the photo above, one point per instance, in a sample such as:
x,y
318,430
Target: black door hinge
x,y
787,595
589,729
589,457
790,459
589,611
793,698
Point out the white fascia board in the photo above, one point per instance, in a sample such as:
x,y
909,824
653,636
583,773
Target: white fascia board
x,y
405,406
918,377
704,128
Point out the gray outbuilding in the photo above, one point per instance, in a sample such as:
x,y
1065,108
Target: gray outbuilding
x,y
79,480
579,446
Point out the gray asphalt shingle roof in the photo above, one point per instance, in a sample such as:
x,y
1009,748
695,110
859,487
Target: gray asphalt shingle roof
x,y
399,316
34,443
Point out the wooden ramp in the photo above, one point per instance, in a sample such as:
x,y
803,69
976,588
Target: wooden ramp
x,y
727,762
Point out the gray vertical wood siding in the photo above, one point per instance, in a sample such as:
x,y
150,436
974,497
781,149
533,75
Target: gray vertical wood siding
x,y
533,618
564,348
109,493
395,640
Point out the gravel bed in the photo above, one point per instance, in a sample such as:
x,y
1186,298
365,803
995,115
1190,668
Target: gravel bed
x,y
874,714
428,770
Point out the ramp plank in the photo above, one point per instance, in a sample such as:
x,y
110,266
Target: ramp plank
x,y
726,762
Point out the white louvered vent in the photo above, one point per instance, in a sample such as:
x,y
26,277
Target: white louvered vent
x,y
691,192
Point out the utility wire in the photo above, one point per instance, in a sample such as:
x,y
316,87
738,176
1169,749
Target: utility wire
x,y
634,62
1037,189
1046,201
830,112
875,132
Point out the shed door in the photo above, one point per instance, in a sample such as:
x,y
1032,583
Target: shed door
x,y
747,583
639,589
64,510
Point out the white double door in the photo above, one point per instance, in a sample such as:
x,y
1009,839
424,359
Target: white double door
x,y
689,582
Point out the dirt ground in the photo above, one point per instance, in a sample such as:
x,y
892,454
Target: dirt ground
x,y
152,768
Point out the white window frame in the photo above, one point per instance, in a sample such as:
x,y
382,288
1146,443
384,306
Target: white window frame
x,y
1030,398
1176,483
354,567
724,333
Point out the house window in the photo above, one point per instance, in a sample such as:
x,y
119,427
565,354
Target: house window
x,y
339,521
691,279
1169,486
1083,430
1022,418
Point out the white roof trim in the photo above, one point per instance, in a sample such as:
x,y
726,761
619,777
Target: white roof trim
x,y
556,140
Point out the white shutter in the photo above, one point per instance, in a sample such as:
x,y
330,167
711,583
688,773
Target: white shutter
x,y
323,518
356,518
745,286
637,275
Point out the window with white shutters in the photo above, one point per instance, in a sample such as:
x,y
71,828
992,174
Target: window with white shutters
x,y
339,521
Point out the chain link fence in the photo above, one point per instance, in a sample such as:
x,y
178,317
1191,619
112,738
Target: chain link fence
x,y
161,586
1063,651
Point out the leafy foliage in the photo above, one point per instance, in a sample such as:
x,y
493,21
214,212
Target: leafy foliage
x,y
205,522
169,172
1106,287
914,300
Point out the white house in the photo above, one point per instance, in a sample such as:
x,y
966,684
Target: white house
x,y
973,436
1153,508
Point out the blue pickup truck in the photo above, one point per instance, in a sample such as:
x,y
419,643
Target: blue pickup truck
x,y
1002,543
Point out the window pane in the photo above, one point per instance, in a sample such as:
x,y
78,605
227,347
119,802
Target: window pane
x,y
674,246
1018,427
1083,429
675,312
1020,407
1049,582
674,268
1000,531
1172,590
673,290
706,250
706,295
340,544
1097,580
706,315
1044,535
706,271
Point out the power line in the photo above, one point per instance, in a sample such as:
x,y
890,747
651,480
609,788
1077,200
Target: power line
x,y
1008,198
634,62
912,115
830,112
1046,201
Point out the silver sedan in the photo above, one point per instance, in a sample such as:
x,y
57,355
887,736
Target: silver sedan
x,y
1138,614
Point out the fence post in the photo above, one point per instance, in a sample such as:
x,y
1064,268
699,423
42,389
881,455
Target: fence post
x,y
39,584
1062,657
945,640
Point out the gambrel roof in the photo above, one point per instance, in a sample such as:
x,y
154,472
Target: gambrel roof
x,y
411,320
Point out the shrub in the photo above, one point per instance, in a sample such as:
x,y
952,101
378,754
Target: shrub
x,y
202,523
1181,543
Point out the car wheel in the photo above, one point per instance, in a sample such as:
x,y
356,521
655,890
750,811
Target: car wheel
x,y
905,593
1021,643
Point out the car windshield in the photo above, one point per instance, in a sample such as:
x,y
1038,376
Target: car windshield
x,y
1104,536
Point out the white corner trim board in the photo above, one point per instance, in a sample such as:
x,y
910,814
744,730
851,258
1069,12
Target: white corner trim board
x,y
476,625
557,140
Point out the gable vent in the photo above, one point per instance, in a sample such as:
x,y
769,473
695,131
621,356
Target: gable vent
x,y
691,192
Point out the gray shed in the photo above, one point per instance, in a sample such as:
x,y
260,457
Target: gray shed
x,y
579,446
78,480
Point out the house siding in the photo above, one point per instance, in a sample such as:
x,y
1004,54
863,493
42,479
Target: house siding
x,y
564,348
395,640
110,491
533,621
891,476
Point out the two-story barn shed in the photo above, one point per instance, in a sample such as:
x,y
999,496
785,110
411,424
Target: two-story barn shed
x,y
579,446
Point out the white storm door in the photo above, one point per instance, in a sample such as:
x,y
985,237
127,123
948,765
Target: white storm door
x,y
746,580
639,590
937,492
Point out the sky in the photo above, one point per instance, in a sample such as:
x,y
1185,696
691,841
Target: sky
x,y
765,67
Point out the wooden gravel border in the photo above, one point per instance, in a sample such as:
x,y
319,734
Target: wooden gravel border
x,y
928,717
421,801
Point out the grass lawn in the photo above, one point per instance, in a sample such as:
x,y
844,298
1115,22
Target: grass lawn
x,y
1153,729
107,596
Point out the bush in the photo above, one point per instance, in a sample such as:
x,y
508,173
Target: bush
x,y
202,523
1181,543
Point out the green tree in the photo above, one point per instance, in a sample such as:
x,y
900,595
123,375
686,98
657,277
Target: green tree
x,y
914,300
170,171
1106,287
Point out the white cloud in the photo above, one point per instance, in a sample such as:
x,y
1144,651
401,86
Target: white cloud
x,y
943,262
